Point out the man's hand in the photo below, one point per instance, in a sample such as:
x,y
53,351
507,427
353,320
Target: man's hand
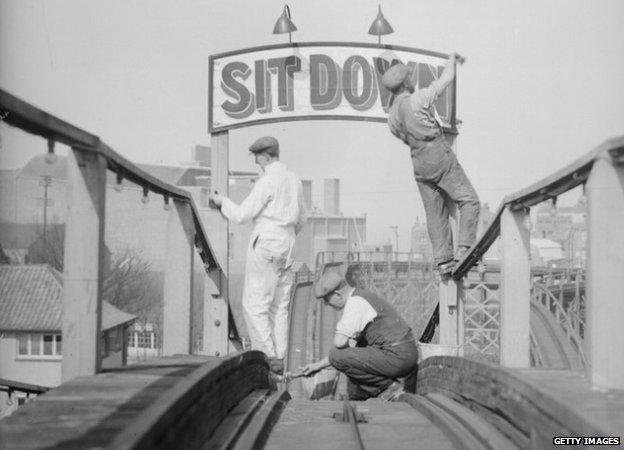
x,y
215,199
312,368
458,58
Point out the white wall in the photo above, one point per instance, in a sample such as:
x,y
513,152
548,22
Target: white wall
x,y
39,371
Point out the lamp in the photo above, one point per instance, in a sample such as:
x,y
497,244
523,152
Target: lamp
x,y
380,26
284,24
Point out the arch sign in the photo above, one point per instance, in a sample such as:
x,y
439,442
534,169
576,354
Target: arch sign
x,y
309,81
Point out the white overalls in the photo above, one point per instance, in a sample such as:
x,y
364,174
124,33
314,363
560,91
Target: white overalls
x,y
275,205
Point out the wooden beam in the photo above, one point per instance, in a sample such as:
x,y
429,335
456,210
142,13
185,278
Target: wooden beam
x,y
451,309
515,289
178,287
216,333
83,264
216,308
604,333
451,313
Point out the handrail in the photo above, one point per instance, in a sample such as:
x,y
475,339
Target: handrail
x,y
29,118
556,184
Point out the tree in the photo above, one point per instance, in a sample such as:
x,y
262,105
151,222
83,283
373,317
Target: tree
x,y
131,285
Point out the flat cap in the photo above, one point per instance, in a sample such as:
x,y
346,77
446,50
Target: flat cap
x,y
328,283
264,143
394,76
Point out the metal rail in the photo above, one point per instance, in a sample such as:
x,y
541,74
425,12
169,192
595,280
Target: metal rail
x,y
349,414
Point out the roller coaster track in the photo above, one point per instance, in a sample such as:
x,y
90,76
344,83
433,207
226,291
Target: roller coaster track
x,y
550,347
231,404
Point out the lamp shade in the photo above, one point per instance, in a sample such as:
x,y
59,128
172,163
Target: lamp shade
x,y
284,24
380,25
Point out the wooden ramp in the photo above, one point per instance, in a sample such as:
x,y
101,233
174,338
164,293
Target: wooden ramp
x,y
88,412
309,424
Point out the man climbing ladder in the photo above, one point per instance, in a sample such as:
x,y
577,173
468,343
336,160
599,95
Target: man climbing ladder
x,y
413,119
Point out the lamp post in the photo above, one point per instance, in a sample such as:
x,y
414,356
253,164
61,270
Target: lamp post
x,y
284,24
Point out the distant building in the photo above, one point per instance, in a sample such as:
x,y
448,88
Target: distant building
x,y
31,342
328,230
565,225
545,251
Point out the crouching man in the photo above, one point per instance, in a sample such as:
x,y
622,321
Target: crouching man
x,y
373,345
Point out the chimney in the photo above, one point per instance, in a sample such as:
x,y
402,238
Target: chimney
x,y
201,154
307,194
331,205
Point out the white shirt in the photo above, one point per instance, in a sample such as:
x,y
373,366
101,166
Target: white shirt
x,y
356,314
276,201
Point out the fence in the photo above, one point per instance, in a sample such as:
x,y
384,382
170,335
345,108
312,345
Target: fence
x,y
602,173
89,160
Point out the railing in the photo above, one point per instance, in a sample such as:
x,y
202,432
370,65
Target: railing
x,y
602,173
89,159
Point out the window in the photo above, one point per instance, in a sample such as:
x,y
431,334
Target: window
x,y
141,339
39,345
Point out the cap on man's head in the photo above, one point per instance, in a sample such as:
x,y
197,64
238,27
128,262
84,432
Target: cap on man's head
x,y
395,76
265,144
328,283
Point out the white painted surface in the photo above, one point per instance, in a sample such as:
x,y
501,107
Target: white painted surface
x,y
604,333
515,289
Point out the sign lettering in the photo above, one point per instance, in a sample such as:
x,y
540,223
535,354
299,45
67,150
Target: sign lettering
x,y
314,81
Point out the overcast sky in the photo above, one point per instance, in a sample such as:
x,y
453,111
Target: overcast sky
x,y
541,86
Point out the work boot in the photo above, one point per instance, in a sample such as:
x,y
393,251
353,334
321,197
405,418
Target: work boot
x,y
392,392
446,268
276,365
462,250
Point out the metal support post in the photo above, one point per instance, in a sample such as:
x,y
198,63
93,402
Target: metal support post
x,y
84,264
515,288
178,285
604,333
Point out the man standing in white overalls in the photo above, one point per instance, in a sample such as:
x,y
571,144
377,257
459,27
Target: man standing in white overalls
x,y
276,207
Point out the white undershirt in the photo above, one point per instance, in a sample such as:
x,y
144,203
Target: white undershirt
x,y
357,313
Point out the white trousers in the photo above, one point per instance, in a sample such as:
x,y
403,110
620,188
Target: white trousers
x,y
267,290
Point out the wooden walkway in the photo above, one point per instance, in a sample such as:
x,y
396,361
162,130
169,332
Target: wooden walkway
x,y
309,424
601,408
88,412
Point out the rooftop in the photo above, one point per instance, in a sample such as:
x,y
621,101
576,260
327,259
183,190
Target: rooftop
x,y
31,299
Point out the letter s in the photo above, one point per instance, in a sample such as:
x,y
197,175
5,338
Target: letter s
x,y
244,105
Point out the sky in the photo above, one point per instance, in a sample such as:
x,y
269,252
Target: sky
x,y
539,87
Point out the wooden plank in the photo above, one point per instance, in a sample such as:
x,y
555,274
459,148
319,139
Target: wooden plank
x,y
216,307
515,289
198,403
87,412
178,280
448,313
36,121
528,407
605,267
84,264
216,333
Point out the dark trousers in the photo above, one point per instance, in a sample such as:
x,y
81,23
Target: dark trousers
x,y
440,176
370,370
